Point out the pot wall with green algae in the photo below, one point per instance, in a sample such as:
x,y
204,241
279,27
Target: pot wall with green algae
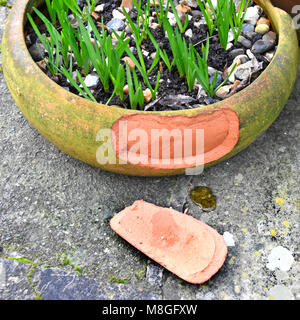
x,y
71,123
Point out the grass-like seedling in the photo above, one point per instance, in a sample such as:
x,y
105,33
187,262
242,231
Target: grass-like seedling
x,y
238,17
162,12
182,27
52,61
140,64
57,9
201,70
85,92
104,56
162,53
223,18
209,14
135,90
140,29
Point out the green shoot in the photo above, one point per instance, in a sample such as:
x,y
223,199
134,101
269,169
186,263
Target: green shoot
x,y
162,12
140,63
201,70
52,59
135,29
182,28
162,53
237,18
223,21
51,10
135,90
209,13
86,93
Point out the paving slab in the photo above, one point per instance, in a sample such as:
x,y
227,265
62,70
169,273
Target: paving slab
x,y
55,239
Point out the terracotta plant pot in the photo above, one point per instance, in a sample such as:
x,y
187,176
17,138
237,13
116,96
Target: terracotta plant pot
x,y
73,124
290,7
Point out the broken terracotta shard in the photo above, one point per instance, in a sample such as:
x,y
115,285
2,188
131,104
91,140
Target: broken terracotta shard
x,y
182,244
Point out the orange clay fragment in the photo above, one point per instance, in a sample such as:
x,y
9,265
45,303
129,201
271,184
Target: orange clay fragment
x,y
182,244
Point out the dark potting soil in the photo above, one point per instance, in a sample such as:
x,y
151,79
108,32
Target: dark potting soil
x,y
170,83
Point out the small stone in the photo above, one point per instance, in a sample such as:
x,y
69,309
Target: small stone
x,y
236,52
115,24
229,46
230,36
131,64
262,28
172,19
269,55
280,292
189,33
154,25
270,36
190,3
249,34
262,46
145,53
263,20
182,9
153,55
147,95
228,238
154,273
245,42
252,15
125,89
177,99
91,80
196,14
242,57
247,27
219,79
99,8
199,23
243,71
37,51
257,37
211,71
95,15
118,15
250,54
154,3
280,258
113,36
223,91
214,4
127,4
128,29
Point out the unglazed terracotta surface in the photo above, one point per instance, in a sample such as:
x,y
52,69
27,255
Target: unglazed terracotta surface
x,y
220,134
72,123
182,244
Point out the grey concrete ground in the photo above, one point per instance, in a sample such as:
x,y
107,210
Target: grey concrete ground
x,y
55,239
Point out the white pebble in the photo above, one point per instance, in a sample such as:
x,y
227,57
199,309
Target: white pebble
x,y
99,8
228,238
172,19
252,15
189,33
91,80
280,258
118,15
